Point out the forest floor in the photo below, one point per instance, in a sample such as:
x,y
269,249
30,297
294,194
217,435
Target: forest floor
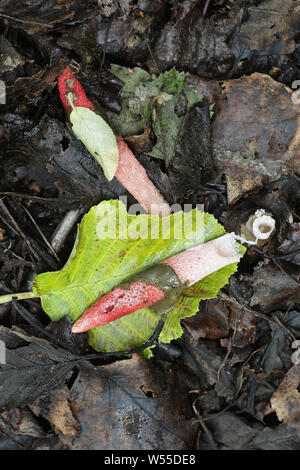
x,y
232,380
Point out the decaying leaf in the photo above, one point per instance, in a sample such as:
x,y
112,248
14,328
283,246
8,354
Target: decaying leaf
x,y
55,407
232,432
286,399
255,134
169,107
290,247
37,16
275,289
197,43
54,147
121,406
32,367
211,321
281,18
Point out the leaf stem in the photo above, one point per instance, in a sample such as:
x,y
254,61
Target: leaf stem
x,y
20,296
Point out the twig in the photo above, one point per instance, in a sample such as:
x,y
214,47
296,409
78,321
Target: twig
x,y
45,25
51,201
153,58
37,325
212,416
150,342
118,6
109,355
202,424
17,229
52,251
206,6
63,229
229,349
106,42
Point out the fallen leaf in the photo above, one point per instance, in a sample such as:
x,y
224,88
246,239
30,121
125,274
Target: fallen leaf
x,y
30,369
281,18
290,247
55,407
74,169
198,44
210,322
246,147
278,355
233,433
286,399
37,17
274,289
130,405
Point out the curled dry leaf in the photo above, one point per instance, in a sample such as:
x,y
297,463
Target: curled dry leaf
x,y
286,399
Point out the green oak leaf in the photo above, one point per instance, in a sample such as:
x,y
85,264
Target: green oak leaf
x,y
111,246
97,137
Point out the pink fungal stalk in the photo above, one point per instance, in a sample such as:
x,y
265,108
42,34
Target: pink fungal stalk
x,y
190,266
132,175
194,264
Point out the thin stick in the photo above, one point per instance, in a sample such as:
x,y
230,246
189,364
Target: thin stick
x,y
153,58
20,296
41,233
63,229
45,25
17,229
150,342
52,201
227,298
38,326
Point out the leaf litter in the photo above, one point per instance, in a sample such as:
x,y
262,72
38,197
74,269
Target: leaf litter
x,y
244,380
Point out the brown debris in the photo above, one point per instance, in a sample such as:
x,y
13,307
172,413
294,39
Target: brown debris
x,y
129,405
274,289
286,399
211,321
55,407
256,134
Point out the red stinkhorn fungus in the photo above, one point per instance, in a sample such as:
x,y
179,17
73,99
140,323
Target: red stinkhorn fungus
x,y
118,303
67,83
130,172
188,267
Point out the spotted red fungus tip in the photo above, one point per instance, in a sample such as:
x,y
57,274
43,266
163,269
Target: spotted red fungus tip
x,y
116,304
68,84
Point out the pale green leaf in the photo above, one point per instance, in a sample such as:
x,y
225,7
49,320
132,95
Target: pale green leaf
x,y
98,263
97,137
